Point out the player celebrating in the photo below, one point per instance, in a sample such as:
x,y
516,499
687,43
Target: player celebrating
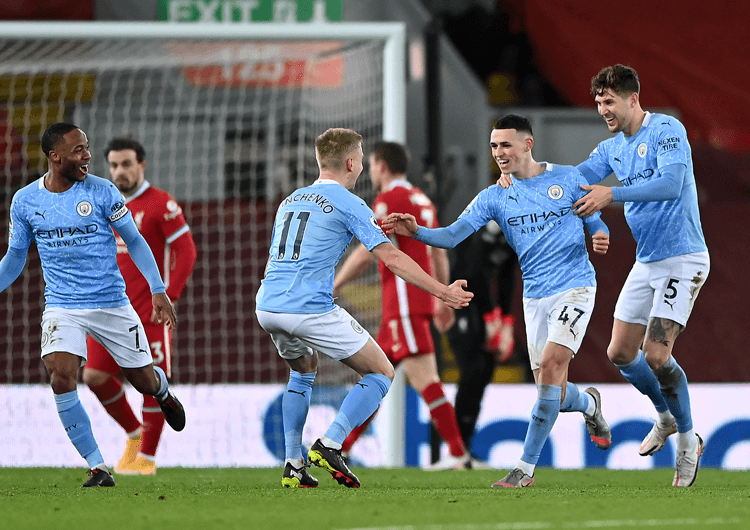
x,y
159,218
650,155
70,215
558,279
405,333
312,229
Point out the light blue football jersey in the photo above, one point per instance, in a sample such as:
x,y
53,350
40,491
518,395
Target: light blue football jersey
x,y
536,217
661,229
312,229
73,234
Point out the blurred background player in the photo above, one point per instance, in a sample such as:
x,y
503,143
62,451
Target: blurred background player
x,y
70,215
482,336
405,334
160,220
295,305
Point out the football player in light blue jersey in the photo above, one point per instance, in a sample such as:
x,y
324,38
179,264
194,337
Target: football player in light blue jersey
x,y
294,304
70,214
650,155
536,215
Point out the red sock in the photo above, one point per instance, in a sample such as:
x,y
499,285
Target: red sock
x,y
356,433
153,425
112,396
444,418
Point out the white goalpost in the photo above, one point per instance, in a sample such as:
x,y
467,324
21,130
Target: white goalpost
x,y
228,114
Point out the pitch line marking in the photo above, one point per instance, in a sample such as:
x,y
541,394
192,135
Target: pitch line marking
x,y
539,525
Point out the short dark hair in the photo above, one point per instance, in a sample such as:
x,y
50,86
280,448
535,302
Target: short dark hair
x,y
124,142
621,79
333,145
54,135
395,156
514,121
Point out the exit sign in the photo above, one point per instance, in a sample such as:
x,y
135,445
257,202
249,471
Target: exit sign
x,y
229,11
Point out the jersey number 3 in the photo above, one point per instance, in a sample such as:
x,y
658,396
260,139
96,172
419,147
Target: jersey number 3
x,y
287,220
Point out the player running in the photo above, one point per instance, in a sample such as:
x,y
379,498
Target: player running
x,y
294,304
70,215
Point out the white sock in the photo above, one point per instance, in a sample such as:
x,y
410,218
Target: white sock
x,y
592,404
526,467
330,444
297,463
666,418
687,442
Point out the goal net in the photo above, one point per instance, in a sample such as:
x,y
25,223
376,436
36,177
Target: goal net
x,y
228,125
228,116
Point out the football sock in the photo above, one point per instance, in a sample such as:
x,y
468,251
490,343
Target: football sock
x,y
577,401
444,418
294,407
359,404
686,441
161,394
356,433
153,425
543,417
77,426
112,396
526,467
674,386
640,375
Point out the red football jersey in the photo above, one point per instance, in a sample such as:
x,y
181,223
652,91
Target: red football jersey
x,y
160,220
399,297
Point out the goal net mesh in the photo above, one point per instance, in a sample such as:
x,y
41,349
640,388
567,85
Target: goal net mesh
x,y
229,129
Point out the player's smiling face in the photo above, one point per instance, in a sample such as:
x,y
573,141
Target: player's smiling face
x,y
509,149
126,172
74,155
616,110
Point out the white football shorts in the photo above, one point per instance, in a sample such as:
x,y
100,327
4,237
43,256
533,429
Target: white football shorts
x,y
664,289
561,318
118,329
335,333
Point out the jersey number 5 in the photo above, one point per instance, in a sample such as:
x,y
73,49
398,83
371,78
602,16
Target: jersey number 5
x,y
287,220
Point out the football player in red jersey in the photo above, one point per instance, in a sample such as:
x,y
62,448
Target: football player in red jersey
x,y
405,334
160,220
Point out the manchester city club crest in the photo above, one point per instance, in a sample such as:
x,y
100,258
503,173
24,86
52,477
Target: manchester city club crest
x,y
642,148
357,327
555,192
84,208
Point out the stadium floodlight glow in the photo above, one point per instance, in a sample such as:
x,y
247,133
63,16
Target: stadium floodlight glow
x,y
228,114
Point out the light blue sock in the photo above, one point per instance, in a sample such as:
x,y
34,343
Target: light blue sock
x,y
77,426
575,400
358,405
674,386
161,394
543,417
640,375
294,407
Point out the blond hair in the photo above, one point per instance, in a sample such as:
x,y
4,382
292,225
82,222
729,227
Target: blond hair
x,y
334,145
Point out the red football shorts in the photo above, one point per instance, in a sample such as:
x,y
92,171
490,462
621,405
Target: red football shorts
x,y
403,337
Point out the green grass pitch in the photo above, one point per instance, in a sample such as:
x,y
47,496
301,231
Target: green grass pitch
x,y
393,499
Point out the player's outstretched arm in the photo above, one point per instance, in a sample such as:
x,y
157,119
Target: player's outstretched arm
x,y
406,268
597,198
406,225
354,266
402,224
11,267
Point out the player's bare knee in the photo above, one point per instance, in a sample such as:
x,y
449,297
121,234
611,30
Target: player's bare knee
x,y
619,355
62,382
94,377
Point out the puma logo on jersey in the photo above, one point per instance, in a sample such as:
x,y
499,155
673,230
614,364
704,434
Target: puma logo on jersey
x,y
671,306
41,215
512,198
295,392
